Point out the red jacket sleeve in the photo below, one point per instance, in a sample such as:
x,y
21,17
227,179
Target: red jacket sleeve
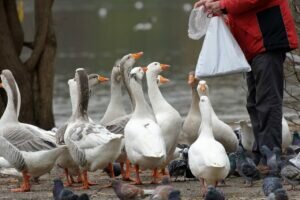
x,y
240,6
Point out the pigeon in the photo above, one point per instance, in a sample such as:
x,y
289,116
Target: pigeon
x,y
232,161
60,193
291,174
116,168
129,192
177,168
279,194
296,138
271,158
214,194
180,167
296,160
174,195
270,184
163,191
246,167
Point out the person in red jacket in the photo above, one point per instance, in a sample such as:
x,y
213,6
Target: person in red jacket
x,y
265,31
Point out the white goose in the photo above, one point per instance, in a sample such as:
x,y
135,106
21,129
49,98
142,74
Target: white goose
x,y
30,153
192,121
208,160
144,143
247,135
111,121
166,116
65,161
222,131
91,146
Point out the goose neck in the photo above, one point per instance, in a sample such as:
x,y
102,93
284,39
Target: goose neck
x,y
195,101
156,98
138,95
126,82
206,123
13,105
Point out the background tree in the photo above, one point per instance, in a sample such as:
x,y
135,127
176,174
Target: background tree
x,y
35,74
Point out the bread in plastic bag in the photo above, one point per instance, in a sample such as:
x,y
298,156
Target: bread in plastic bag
x,y
198,23
220,53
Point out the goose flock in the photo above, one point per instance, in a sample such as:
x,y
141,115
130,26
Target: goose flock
x,y
150,137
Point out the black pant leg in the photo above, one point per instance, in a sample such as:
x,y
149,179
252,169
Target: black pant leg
x,y
251,106
267,69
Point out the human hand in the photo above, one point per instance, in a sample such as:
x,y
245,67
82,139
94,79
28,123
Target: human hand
x,y
211,6
199,3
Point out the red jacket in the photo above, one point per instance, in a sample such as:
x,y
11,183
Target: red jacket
x,y
261,25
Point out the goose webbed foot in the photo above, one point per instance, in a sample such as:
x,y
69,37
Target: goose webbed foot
x,y
25,187
85,182
69,178
155,177
138,179
203,188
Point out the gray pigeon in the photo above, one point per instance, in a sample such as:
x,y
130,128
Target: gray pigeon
x,y
126,191
214,194
279,194
174,195
163,191
246,167
271,157
270,184
291,174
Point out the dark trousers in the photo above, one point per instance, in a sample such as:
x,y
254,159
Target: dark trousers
x,y
265,96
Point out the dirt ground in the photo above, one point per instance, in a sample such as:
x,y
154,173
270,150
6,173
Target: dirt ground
x,y
190,190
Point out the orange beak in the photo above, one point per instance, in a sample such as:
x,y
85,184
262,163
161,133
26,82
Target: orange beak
x,y
163,80
102,79
202,88
164,67
145,69
137,55
191,79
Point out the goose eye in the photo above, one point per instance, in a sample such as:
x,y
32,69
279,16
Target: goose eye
x,y
155,63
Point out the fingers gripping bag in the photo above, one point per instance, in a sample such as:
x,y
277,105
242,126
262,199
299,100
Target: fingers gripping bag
x,y
220,53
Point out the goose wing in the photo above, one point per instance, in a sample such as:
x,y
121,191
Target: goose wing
x,y
25,140
11,154
61,133
117,126
89,135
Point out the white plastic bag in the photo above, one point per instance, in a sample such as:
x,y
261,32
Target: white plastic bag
x,y
220,53
198,23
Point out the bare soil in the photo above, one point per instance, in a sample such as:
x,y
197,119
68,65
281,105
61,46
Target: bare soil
x,y
190,189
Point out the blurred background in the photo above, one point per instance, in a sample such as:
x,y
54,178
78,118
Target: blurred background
x,y
94,34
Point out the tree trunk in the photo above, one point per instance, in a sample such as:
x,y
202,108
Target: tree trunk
x,y
35,76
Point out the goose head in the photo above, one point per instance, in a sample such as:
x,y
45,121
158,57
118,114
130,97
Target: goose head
x,y
157,67
202,88
192,80
162,80
128,60
137,74
9,84
95,79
